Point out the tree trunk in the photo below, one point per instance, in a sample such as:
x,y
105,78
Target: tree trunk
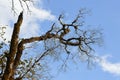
x,y
9,71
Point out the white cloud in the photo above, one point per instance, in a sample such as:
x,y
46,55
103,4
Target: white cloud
x,y
113,68
30,26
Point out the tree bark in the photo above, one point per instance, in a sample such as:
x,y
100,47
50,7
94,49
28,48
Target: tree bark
x,y
8,73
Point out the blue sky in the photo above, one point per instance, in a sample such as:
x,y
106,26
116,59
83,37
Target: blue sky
x,y
103,13
106,15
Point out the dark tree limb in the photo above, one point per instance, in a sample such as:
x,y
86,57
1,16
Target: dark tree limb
x,y
13,49
29,40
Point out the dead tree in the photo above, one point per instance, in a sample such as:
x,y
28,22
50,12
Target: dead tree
x,y
82,40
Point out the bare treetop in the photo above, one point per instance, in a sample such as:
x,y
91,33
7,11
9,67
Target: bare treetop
x,y
63,37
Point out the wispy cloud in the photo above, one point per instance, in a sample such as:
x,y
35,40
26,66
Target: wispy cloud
x,y
30,26
113,68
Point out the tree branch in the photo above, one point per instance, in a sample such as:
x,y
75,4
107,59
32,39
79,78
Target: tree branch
x,y
37,60
29,40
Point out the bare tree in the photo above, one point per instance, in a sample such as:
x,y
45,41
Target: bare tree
x,y
59,40
60,36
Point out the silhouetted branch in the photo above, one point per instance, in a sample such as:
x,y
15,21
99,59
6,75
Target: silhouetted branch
x,y
37,60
